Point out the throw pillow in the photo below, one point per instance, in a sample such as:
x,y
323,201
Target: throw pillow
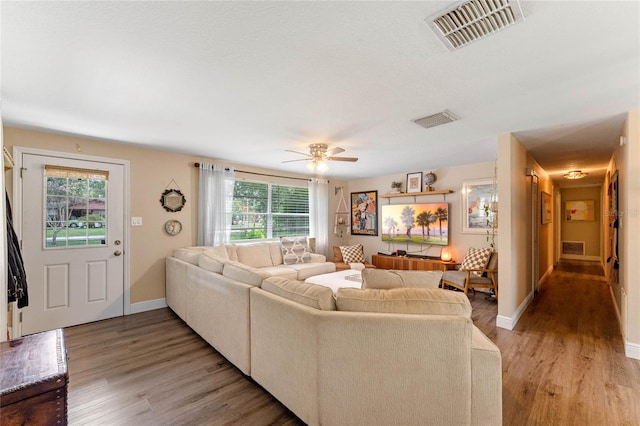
x,y
476,258
352,254
295,250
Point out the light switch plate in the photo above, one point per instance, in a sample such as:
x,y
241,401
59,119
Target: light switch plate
x,y
136,221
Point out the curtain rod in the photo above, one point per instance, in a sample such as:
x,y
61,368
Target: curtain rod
x,y
197,165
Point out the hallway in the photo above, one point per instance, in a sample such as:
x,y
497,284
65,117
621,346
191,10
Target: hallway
x,y
564,363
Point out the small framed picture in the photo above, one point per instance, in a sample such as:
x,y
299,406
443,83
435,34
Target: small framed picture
x,y
414,182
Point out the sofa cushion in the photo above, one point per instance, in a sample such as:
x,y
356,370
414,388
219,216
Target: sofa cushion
x,y
245,274
219,250
275,248
314,296
279,271
295,250
352,254
305,270
232,252
254,255
430,301
211,261
476,258
385,279
188,254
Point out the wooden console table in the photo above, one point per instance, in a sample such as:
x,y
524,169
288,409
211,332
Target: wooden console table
x,y
411,263
33,380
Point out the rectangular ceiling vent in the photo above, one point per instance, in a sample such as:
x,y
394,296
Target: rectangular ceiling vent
x,y
473,20
438,119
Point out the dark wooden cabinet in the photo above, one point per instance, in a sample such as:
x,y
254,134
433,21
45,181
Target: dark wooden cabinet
x,y
33,380
411,263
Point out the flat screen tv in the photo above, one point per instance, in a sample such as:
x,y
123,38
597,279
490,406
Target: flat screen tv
x,y
417,223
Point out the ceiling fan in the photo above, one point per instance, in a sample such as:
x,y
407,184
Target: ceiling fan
x,y
319,154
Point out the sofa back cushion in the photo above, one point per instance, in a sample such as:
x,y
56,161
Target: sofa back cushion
x,y
243,273
190,254
275,248
220,251
427,301
254,255
386,279
314,296
211,261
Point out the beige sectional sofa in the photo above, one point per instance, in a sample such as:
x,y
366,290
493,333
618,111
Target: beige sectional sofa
x,y
208,287
401,356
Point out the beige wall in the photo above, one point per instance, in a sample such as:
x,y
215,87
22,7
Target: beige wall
x,y
151,172
545,231
514,190
587,231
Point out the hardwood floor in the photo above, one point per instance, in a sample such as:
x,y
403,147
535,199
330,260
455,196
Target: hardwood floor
x,y
151,369
563,364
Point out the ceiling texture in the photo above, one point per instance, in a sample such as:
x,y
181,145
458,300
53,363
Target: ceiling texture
x,y
245,81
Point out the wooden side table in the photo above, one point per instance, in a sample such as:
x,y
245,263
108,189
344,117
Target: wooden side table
x,y
33,380
411,263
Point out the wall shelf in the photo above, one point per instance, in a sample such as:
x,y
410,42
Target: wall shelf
x,y
416,194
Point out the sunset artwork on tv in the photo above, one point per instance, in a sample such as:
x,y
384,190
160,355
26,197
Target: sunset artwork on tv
x,y
419,223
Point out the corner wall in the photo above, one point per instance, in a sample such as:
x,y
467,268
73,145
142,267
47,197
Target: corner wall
x,y
517,220
627,161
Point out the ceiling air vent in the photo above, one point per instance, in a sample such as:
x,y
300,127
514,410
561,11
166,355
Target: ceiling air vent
x,y
475,19
438,119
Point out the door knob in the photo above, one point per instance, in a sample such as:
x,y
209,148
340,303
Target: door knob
x,y
117,252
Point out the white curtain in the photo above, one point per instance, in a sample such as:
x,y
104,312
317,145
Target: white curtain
x,y
215,204
319,213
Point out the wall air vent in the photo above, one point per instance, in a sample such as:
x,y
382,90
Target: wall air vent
x,y
434,120
473,20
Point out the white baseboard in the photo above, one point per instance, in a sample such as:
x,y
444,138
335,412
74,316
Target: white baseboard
x,y
148,305
580,257
632,350
545,276
510,322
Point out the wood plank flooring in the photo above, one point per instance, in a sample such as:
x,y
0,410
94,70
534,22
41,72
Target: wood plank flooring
x,y
563,364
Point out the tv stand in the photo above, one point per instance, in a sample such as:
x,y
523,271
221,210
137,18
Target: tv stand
x,y
411,263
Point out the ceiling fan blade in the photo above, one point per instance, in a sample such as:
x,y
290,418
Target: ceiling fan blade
x,y
351,159
301,159
306,154
334,150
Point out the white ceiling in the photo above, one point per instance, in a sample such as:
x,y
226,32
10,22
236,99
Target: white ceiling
x,y
243,81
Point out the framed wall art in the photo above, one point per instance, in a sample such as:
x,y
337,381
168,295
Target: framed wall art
x,y
414,182
580,211
546,213
479,206
364,213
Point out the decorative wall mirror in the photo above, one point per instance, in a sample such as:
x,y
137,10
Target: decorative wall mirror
x,y
172,200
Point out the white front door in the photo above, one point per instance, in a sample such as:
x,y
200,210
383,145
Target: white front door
x,y
72,241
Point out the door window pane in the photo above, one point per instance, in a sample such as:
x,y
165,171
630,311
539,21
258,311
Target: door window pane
x,y
76,204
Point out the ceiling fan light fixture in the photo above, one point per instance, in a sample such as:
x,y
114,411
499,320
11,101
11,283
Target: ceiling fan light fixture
x,y
322,166
575,174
